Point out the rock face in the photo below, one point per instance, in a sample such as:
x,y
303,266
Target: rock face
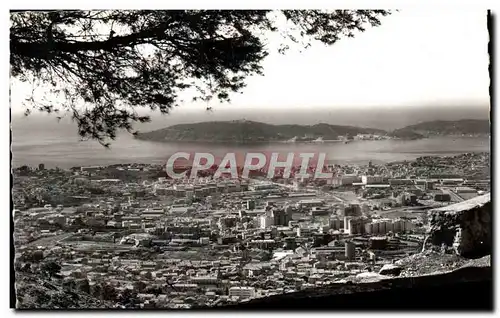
x,y
465,227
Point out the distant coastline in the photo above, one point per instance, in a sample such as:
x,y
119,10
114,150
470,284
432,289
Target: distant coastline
x,y
251,132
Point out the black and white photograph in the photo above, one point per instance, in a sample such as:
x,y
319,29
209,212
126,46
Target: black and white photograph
x,y
237,159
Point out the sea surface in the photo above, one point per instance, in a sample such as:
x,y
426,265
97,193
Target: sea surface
x,y
59,146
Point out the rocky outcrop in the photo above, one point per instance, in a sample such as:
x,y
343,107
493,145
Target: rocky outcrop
x,y
464,228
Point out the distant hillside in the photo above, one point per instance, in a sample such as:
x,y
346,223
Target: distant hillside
x,y
406,134
242,131
466,127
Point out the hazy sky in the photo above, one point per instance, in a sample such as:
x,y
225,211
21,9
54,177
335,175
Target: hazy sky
x,y
416,57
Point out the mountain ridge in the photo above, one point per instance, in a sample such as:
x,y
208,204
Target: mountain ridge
x,y
247,131
469,127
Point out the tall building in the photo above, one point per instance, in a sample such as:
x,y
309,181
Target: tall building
x,y
289,212
369,228
407,226
274,232
352,210
398,226
429,185
266,221
290,243
336,224
250,205
354,226
346,224
281,217
350,250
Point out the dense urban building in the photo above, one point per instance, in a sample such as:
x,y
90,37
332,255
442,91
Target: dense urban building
x,y
127,229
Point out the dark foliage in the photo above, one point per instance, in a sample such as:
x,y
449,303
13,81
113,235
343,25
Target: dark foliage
x,y
50,268
102,65
127,298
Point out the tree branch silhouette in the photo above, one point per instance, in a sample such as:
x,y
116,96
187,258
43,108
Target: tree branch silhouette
x,y
101,66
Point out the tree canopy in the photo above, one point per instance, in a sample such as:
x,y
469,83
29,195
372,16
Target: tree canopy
x,y
101,66
51,268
